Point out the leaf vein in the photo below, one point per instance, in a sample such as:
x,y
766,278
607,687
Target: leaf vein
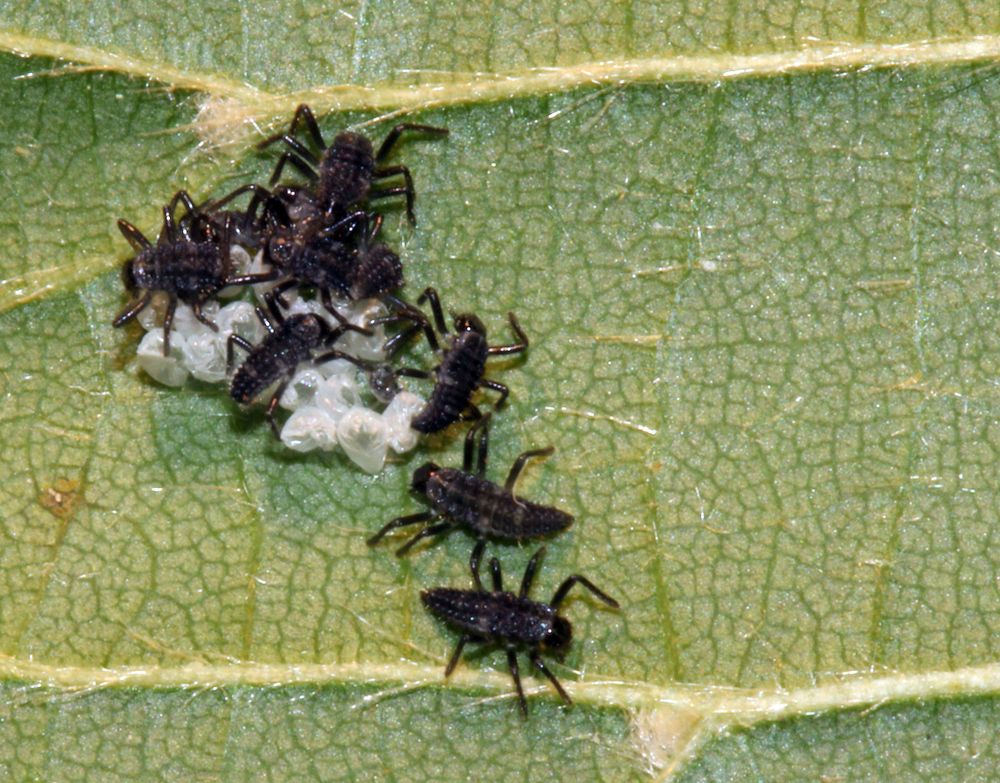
x,y
459,88
725,705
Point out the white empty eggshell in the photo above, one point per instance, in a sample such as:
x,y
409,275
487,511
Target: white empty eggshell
x,y
337,367
168,370
302,388
337,395
184,320
362,436
364,347
151,316
305,306
257,266
397,417
241,261
203,357
367,347
309,428
361,312
240,318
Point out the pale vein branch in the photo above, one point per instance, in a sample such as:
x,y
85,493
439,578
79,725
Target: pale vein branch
x,y
235,102
722,705
89,58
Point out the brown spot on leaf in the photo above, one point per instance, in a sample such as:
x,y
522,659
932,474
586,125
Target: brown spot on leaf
x,y
62,498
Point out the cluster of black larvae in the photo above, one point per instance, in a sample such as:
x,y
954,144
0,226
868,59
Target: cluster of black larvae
x,y
321,237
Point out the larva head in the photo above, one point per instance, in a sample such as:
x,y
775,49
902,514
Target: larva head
x,y
422,475
128,275
557,639
467,322
282,248
308,328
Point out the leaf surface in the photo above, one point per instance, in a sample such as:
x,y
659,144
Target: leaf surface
x,y
763,317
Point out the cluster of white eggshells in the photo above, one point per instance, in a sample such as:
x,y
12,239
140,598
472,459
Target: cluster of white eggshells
x,y
330,408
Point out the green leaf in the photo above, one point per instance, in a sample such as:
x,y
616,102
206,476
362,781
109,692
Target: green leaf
x,y
763,316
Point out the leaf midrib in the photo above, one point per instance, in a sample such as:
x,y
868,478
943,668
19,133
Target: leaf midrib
x,y
245,103
728,705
